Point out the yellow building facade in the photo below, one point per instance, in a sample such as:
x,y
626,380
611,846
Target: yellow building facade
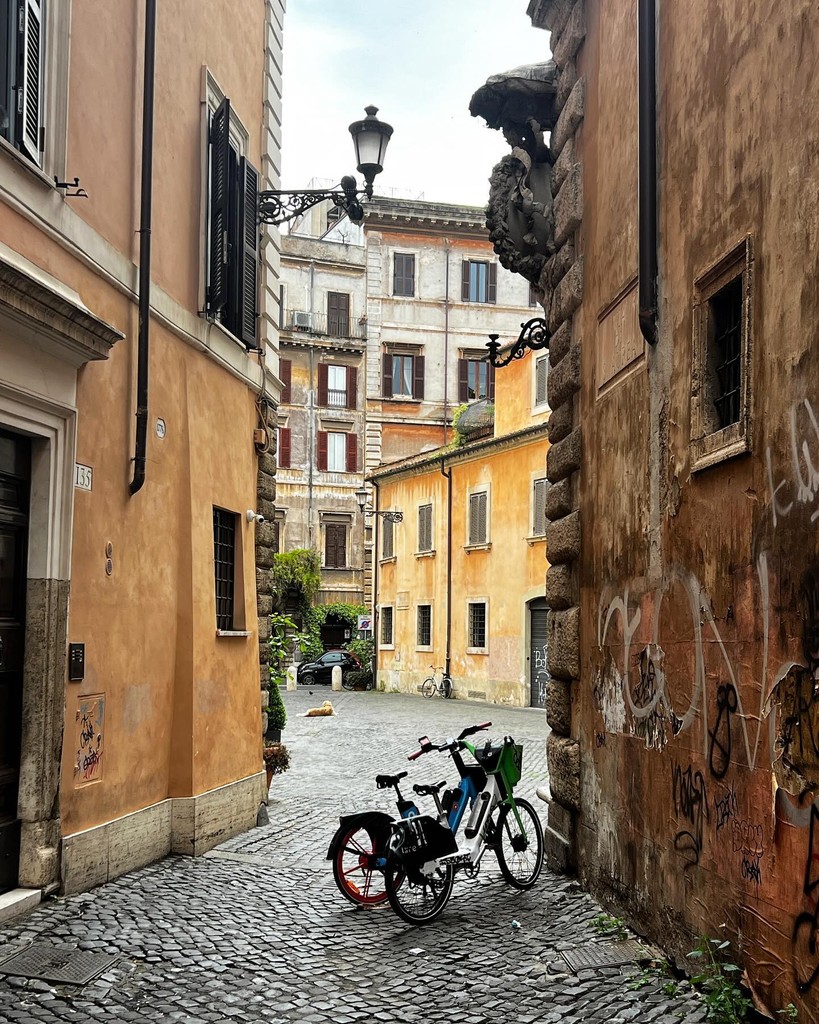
x,y
461,580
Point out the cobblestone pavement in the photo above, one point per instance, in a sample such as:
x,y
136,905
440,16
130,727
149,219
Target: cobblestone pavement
x,y
256,930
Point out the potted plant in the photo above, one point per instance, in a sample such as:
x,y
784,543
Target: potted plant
x,y
276,760
276,714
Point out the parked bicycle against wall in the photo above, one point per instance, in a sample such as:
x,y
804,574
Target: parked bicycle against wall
x,y
432,685
358,849
424,854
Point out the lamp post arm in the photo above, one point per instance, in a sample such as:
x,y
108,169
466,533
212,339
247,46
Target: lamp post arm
x,y
278,206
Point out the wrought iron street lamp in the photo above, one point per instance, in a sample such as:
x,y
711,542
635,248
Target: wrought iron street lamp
x,y
370,138
363,496
534,334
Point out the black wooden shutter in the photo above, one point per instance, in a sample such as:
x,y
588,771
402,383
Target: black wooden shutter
x,y
219,207
491,394
30,78
386,376
283,454
286,374
352,453
338,314
352,387
465,280
418,377
321,454
492,288
463,380
249,284
322,385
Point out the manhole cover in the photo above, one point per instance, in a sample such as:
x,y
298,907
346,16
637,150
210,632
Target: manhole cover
x,y
61,964
604,954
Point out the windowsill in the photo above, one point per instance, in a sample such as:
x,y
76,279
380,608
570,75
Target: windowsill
x,y
477,650
468,548
427,648
539,539
718,447
215,322
386,647
425,554
233,632
23,161
406,399
386,561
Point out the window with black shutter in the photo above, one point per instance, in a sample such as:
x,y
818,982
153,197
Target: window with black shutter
x,y
233,250
335,546
403,273
22,65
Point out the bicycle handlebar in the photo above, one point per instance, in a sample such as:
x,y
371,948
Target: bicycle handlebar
x,y
472,729
426,744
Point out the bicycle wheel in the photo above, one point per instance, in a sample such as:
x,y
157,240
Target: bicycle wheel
x,y
428,687
419,900
520,852
357,878
446,687
346,682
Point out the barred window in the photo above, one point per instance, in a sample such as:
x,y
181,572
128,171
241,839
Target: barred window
x,y
387,539
386,626
478,518
725,342
224,564
477,624
425,528
539,507
424,634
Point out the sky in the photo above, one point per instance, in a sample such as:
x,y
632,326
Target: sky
x,y
419,62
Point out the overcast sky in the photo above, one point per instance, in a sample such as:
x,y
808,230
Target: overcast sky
x,y
418,61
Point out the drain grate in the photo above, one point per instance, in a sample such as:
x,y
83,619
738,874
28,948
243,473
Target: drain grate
x,y
62,964
605,954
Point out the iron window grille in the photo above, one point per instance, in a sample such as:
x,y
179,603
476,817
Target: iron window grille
x,y
424,635
725,332
386,626
224,563
477,624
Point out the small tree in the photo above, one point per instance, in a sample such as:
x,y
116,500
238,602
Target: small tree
x,y
276,714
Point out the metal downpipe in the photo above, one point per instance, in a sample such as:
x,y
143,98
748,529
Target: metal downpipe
x,y
647,166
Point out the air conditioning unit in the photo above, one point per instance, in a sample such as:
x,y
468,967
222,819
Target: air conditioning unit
x,y
301,321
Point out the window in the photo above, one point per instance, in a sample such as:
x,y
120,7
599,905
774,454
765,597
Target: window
x,y
338,314
387,539
337,452
337,386
425,528
286,375
542,380
476,626
386,627
402,376
721,384
539,491
476,379
283,448
424,632
22,91
478,281
403,273
335,546
233,260
478,520
224,564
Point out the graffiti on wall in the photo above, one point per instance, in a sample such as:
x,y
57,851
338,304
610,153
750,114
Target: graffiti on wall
x,y
88,743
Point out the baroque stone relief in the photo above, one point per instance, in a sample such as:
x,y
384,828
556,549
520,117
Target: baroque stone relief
x,y
520,213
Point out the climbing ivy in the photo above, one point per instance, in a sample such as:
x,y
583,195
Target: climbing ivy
x,y
298,573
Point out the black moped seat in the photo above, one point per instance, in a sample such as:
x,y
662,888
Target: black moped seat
x,y
429,790
388,781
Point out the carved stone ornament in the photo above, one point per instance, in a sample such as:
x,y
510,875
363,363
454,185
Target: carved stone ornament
x,y
520,214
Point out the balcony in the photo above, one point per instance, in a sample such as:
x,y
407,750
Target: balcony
x,y
333,325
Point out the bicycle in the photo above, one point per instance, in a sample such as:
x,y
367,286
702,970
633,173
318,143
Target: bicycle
x,y
431,685
358,849
423,857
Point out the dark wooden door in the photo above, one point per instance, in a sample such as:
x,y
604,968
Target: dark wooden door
x,y
14,494
538,671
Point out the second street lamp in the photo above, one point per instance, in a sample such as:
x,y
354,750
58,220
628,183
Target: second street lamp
x,y
370,138
363,496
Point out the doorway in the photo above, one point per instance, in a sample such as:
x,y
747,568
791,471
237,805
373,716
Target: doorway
x,y
15,476
538,670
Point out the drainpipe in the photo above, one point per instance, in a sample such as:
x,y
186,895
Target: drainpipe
x,y
311,423
446,345
647,167
376,615
141,443
448,475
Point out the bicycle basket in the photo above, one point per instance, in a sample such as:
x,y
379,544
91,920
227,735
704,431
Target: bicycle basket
x,y
421,838
503,757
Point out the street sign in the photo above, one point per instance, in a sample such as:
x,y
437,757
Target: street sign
x,y
365,623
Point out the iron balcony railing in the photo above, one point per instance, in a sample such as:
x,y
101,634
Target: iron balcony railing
x,y
332,325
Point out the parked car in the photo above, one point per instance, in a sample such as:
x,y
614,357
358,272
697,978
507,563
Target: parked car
x,y
321,670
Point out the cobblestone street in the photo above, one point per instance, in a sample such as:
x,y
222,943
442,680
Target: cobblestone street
x,y
257,931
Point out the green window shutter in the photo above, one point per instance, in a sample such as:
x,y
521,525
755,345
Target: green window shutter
x,y
248,320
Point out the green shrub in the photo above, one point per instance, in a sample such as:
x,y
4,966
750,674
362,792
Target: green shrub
x,y
359,679
276,714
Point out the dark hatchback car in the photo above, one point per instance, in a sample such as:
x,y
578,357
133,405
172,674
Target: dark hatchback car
x,y
321,670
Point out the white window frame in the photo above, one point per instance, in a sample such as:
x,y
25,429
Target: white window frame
x,y
486,543
342,371
383,645
472,601
411,357
534,479
333,445
430,646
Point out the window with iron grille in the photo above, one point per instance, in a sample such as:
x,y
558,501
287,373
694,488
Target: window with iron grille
x,y
425,528
403,273
386,626
539,507
224,565
424,631
721,379
478,519
477,625
541,380
387,538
